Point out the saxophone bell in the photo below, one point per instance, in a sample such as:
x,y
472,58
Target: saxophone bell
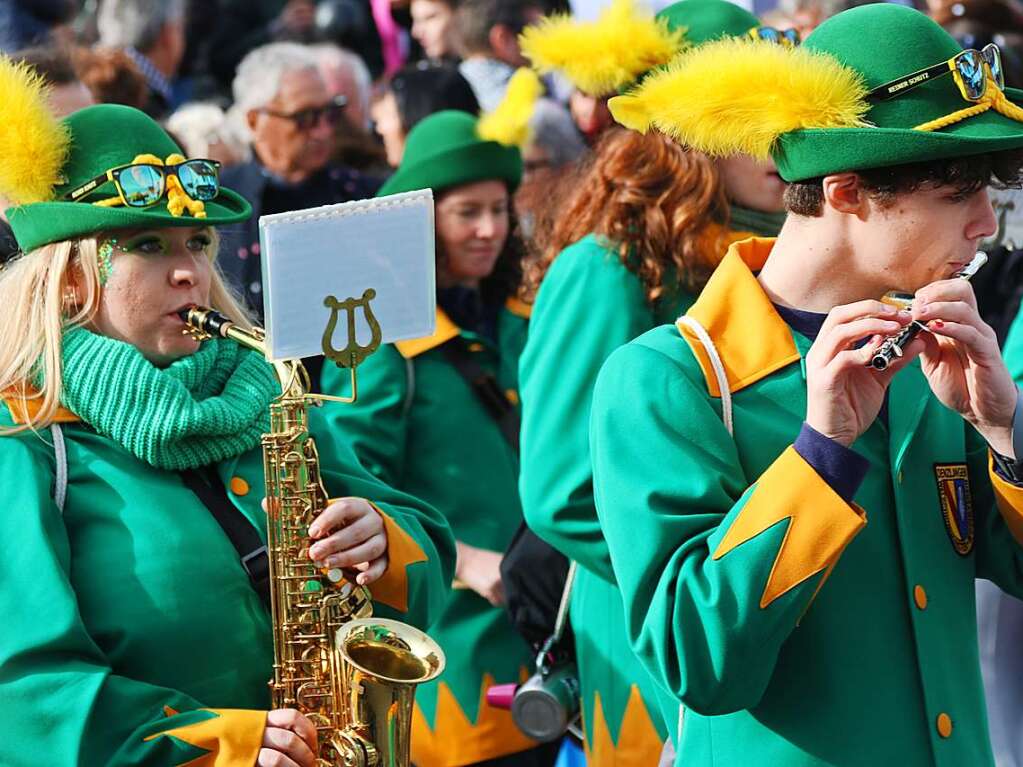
x,y
382,663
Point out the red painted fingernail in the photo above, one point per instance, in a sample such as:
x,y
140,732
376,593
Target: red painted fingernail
x,y
937,324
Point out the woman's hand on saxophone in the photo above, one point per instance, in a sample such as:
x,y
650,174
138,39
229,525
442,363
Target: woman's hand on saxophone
x,y
350,534
289,740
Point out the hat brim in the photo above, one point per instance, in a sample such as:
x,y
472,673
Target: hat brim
x,y
41,223
816,152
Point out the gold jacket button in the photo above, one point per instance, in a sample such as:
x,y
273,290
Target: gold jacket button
x,y
920,596
239,486
944,725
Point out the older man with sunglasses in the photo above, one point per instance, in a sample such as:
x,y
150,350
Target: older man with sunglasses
x,y
290,116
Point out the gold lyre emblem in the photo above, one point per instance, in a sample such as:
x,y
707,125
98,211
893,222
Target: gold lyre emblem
x,y
352,355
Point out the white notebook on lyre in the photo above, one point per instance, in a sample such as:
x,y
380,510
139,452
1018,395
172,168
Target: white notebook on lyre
x,y
386,244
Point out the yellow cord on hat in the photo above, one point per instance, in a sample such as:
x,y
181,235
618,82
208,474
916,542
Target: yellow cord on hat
x,y
178,200
993,98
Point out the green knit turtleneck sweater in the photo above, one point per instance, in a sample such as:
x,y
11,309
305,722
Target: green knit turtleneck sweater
x,y
203,408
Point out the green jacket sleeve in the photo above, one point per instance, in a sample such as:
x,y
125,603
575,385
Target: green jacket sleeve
x,y
998,507
362,454
715,567
588,306
61,700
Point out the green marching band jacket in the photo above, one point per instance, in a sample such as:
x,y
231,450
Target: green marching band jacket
x,y
796,628
419,427
131,632
588,305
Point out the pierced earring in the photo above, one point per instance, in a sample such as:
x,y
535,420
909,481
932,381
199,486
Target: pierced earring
x,y
106,265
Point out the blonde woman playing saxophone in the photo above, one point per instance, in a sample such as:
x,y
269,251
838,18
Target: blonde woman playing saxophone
x,y
133,632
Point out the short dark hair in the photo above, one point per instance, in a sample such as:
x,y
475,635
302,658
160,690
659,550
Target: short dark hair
x,y
52,64
475,18
964,175
425,87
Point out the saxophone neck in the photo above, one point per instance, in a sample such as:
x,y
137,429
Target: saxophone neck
x,y
203,323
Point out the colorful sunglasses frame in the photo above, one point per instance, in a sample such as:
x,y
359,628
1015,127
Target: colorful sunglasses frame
x,y
114,175
969,69
774,35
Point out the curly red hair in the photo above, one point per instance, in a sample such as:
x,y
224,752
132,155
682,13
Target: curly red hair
x,y
650,197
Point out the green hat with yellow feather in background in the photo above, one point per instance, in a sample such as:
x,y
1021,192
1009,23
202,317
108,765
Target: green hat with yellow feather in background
x,y
603,57
874,86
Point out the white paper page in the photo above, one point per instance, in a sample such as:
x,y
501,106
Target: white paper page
x,y
386,244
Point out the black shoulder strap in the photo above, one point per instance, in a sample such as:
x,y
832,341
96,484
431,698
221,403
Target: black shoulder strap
x,y
486,389
243,536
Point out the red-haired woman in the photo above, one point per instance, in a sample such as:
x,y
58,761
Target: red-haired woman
x,y
643,224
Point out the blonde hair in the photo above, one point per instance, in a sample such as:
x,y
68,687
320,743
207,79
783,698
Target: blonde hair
x,y
34,291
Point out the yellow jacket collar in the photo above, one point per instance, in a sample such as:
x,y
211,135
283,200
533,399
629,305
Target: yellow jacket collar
x,y
751,338
25,407
446,329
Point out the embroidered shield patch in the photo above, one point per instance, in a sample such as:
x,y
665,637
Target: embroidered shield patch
x,y
956,504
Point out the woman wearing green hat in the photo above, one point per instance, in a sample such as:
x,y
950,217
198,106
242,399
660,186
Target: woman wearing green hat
x,y
634,239
133,631
811,522
439,419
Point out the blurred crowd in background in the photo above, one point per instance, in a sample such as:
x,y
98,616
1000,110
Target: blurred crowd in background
x,y
308,102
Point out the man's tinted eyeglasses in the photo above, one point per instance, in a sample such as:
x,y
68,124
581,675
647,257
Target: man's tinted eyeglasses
x,y
305,119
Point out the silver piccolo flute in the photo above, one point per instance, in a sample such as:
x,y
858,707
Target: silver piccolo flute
x,y
894,346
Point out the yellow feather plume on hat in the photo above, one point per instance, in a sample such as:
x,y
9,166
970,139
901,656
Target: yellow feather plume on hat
x,y
602,56
737,96
34,144
508,122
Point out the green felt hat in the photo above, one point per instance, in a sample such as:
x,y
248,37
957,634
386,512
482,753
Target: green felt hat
x,y
807,106
884,42
103,137
704,20
445,150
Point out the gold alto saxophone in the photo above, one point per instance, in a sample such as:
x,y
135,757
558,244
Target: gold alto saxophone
x,y
351,675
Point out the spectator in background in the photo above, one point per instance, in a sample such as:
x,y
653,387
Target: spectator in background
x,y
66,93
152,34
807,15
416,92
346,76
112,77
243,25
203,130
25,23
554,144
487,35
433,27
290,118
349,24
